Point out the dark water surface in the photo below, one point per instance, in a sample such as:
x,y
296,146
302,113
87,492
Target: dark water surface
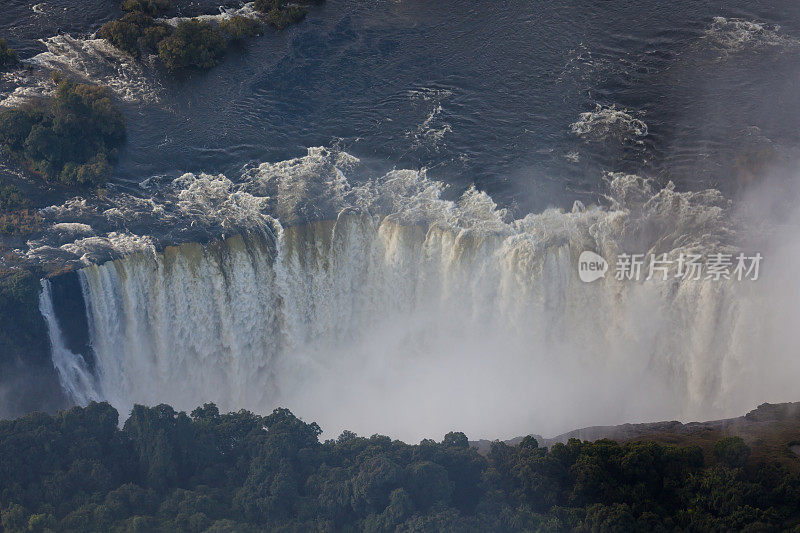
x,y
482,92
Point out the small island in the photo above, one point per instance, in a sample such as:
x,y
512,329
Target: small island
x,y
71,138
192,44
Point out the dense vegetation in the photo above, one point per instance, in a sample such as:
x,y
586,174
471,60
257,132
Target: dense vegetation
x,y
239,28
280,13
8,57
168,471
150,7
11,199
192,44
16,215
71,138
135,33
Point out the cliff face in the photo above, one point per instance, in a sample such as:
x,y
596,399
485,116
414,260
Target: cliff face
x,y
28,381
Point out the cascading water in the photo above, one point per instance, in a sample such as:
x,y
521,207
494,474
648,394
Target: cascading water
x,y
73,372
437,315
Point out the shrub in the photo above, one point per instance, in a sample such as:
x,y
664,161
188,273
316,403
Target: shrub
x,y
92,172
194,44
153,36
21,222
279,13
12,199
238,28
150,7
15,216
8,57
134,33
281,18
265,6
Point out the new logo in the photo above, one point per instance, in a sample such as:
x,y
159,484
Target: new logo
x,y
591,266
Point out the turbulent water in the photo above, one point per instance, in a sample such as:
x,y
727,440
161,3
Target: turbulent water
x,y
411,277
486,94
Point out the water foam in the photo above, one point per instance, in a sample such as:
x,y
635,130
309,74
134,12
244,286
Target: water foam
x,y
732,35
248,10
607,122
97,61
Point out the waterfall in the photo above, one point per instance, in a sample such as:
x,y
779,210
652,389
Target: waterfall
x,y
438,315
73,372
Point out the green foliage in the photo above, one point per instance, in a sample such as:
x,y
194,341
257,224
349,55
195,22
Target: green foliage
x,y
265,6
14,518
168,471
71,138
153,35
239,28
193,44
8,57
12,199
282,18
281,13
134,33
732,451
149,7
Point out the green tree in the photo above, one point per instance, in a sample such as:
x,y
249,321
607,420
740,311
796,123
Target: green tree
x,y
280,13
129,32
193,44
12,199
239,28
428,484
149,7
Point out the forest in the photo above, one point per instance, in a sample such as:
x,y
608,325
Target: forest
x,y
163,470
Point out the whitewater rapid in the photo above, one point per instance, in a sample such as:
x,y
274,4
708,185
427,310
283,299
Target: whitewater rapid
x,y
409,314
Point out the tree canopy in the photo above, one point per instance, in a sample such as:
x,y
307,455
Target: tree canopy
x,y
193,44
165,470
281,13
149,7
71,138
